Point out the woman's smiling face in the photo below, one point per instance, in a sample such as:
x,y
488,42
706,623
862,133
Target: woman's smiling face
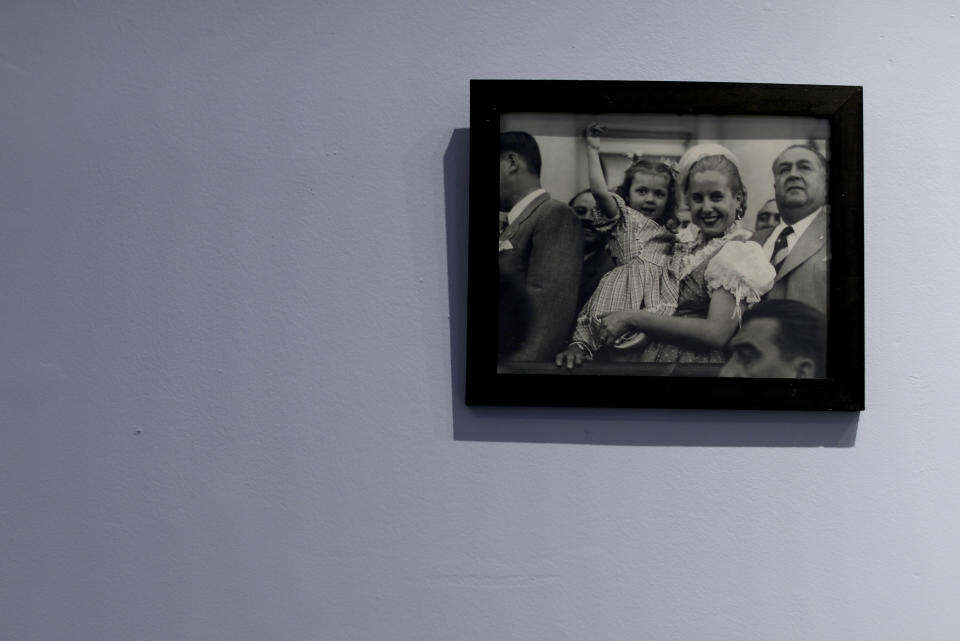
x,y
713,206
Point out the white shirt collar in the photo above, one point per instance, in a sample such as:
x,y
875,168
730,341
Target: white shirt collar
x,y
520,206
798,228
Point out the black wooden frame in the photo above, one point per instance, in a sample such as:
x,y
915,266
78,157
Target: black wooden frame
x,y
843,387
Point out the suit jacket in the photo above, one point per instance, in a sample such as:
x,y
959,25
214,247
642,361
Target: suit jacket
x,y
541,256
805,274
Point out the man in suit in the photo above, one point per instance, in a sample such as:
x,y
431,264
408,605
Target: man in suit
x,y
541,255
768,216
799,247
779,339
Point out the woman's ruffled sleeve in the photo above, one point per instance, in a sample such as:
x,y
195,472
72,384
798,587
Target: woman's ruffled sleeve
x,y
742,269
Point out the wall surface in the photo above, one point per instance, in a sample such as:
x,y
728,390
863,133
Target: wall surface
x,y
231,336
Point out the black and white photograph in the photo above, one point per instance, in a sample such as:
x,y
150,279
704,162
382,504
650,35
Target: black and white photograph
x,y
641,245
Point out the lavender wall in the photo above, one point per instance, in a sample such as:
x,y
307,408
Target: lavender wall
x,y
230,241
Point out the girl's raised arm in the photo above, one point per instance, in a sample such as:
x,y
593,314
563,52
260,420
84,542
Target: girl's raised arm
x,y
598,184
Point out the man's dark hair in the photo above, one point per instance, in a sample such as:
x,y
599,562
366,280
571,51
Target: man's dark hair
x,y
811,149
803,329
522,144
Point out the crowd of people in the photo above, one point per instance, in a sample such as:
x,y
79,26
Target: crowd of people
x,y
661,269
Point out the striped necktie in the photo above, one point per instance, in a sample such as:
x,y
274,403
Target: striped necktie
x,y
780,249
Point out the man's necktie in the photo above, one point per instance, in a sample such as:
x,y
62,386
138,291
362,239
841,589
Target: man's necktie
x,y
780,249
503,221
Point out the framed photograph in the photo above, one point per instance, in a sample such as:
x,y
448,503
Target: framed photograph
x,y
666,244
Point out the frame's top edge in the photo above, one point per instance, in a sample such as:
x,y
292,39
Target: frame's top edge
x,y
729,84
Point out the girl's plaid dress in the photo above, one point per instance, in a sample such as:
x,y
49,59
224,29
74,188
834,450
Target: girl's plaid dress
x,y
642,279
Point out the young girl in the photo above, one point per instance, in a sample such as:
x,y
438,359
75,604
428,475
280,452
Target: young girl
x,y
641,244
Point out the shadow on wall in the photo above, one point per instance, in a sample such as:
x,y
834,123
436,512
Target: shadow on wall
x,y
718,428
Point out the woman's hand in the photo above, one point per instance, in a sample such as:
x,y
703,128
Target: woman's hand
x,y
592,135
571,357
613,325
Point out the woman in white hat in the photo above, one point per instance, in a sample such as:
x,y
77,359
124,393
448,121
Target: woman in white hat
x,y
719,273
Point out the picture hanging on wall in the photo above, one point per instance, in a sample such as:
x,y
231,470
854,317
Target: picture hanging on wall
x,y
666,244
